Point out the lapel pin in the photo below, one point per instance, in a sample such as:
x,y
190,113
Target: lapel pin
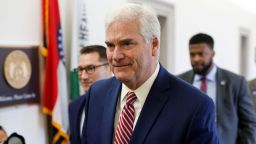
x,y
223,82
254,92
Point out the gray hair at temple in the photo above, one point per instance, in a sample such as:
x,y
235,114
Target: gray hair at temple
x,y
149,24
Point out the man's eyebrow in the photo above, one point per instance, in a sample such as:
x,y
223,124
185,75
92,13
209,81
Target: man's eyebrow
x,y
120,42
108,43
126,41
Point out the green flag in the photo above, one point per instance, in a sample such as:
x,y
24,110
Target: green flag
x,y
74,87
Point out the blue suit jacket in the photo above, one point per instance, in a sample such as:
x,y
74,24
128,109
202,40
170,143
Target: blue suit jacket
x,y
174,112
75,112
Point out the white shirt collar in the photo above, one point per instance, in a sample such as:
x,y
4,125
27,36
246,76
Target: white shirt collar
x,y
143,90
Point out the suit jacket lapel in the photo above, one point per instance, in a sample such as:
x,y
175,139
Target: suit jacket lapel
x,y
109,112
190,77
78,116
220,92
152,108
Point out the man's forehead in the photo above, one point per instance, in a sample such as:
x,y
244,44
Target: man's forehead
x,y
89,58
199,46
122,30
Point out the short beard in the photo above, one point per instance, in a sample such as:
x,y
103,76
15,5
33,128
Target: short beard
x,y
205,70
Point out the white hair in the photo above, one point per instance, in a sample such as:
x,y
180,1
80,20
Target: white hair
x,y
149,24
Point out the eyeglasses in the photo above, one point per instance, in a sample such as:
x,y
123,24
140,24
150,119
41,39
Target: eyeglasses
x,y
88,69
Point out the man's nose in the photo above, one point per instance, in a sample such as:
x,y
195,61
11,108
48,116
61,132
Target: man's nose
x,y
118,53
84,75
196,58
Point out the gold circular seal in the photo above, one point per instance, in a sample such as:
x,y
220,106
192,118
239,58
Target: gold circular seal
x,y
17,69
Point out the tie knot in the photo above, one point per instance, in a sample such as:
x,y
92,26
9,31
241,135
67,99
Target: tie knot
x,y
130,98
203,78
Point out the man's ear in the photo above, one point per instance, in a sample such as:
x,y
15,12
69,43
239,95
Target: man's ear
x,y
155,46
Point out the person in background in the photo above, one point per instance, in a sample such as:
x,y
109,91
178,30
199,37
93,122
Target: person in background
x,y
252,87
3,135
93,66
15,138
143,103
236,118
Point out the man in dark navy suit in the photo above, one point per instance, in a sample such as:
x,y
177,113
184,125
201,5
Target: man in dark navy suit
x,y
93,66
143,103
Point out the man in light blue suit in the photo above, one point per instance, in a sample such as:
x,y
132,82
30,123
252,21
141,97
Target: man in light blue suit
x,y
166,109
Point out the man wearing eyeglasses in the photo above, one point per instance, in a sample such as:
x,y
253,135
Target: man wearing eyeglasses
x,y
93,66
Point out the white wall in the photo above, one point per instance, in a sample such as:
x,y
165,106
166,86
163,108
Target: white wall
x,y
26,120
20,22
21,25
222,20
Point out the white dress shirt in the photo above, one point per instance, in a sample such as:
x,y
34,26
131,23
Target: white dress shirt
x,y
82,122
141,93
211,83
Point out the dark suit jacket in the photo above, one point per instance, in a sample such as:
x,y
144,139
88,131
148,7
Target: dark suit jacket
x,y
236,119
174,112
252,86
75,112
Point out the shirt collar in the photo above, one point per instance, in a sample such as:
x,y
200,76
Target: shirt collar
x,y
210,76
144,89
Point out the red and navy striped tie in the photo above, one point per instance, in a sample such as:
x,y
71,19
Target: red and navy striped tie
x,y
126,120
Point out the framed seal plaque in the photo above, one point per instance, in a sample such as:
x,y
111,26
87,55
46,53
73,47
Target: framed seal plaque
x,y
19,75
17,69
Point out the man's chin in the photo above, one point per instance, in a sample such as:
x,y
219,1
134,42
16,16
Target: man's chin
x,y
198,71
122,79
201,72
86,87
121,76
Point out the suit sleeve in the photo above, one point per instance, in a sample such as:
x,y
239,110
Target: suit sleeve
x,y
202,128
70,131
246,115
